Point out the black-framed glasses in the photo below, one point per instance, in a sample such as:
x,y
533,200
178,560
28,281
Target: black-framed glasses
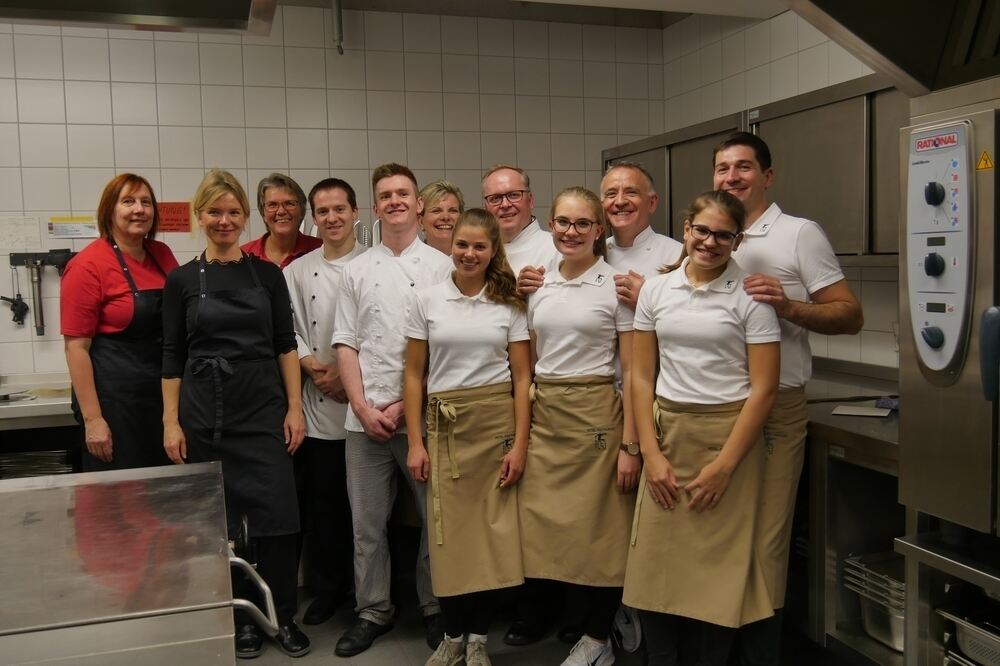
x,y
701,232
582,226
513,197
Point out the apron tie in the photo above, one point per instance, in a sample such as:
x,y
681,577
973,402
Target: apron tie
x,y
218,365
442,408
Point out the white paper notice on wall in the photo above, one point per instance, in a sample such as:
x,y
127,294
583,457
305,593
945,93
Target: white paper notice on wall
x,y
78,226
20,233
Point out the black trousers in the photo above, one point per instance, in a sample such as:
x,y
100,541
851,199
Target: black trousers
x,y
277,564
759,643
468,613
672,640
321,484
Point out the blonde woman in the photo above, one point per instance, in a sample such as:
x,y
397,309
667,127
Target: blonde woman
x,y
232,392
443,203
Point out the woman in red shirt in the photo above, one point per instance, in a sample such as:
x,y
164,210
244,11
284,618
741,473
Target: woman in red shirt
x,y
113,331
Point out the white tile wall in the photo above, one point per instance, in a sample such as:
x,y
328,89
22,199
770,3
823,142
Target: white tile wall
x,y
448,95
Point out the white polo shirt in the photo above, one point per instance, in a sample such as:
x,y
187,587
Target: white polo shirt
x,y
531,247
797,252
702,334
313,286
576,323
649,252
467,336
376,295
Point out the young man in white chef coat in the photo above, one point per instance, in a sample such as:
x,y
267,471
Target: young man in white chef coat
x,y
507,194
794,269
313,285
372,309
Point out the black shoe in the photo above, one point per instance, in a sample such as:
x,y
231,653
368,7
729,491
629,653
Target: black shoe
x,y
320,610
291,640
570,634
359,637
524,632
249,642
434,628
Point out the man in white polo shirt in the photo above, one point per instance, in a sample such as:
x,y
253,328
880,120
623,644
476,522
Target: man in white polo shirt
x,y
507,194
372,310
794,269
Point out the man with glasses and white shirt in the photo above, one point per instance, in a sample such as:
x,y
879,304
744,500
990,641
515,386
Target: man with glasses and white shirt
x,y
507,194
282,203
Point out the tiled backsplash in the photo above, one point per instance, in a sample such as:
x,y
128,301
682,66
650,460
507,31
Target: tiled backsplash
x,y
447,95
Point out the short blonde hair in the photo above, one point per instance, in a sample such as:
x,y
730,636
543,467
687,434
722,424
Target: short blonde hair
x,y
218,183
439,189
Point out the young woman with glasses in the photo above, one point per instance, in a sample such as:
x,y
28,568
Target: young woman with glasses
x,y
691,553
576,495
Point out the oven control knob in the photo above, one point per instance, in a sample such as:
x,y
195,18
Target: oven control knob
x,y
933,336
933,264
934,193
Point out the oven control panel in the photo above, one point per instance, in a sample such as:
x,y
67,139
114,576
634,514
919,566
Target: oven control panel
x,y
939,239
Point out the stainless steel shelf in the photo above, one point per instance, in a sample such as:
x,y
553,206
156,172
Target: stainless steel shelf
x,y
927,549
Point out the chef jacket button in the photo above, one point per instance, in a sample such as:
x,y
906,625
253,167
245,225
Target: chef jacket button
x,y
315,274
321,399
312,298
314,323
314,349
411,284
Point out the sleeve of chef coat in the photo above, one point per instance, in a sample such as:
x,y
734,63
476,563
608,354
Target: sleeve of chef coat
x,y
297,297
345,317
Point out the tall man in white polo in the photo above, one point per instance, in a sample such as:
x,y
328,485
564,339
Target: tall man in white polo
x,y
372,310
507,194
794,269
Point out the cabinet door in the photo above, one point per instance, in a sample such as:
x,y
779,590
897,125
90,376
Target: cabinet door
x,y
818,156
690,175
890,112
655,162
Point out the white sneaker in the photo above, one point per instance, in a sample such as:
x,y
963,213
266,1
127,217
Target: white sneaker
x,y
475,654
448,653
588,652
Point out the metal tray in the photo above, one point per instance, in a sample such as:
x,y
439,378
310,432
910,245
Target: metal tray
x,y
882,624
952,658
888,568
979,643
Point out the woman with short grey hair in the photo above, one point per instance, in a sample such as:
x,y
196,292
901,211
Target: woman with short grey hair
x,y
282,204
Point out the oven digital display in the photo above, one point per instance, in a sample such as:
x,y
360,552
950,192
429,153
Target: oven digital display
x,y
935,307
935,241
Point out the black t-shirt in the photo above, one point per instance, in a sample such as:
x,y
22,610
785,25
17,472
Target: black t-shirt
x,y
180,302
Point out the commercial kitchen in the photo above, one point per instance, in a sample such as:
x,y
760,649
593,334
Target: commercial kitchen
x,y
882,120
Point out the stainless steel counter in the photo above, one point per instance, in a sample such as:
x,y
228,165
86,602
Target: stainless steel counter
x,y
48,405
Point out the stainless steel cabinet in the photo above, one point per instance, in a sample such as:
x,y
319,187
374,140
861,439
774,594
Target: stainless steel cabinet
x,y
890,111
819,157
690,175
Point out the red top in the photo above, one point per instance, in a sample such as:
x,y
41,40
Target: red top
x,y
94,295
303,245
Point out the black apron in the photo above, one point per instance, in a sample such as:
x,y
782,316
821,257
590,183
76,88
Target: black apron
x,y
234,410
127,369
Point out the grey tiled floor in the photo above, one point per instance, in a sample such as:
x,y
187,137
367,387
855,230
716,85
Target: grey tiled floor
x,y
405,646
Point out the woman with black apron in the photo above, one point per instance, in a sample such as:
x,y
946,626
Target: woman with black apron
x,y
232,392
110,307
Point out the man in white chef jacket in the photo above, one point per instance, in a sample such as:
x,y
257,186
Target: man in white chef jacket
x,y
313,285
507,194
371,314
794,269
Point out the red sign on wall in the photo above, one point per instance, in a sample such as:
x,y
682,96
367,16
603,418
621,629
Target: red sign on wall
x,y
174,215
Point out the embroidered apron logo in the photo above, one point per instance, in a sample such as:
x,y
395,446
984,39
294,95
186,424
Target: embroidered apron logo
x,y
600,437
506,443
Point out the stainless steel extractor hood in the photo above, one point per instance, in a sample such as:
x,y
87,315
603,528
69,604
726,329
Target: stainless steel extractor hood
x,y
920,45
242,16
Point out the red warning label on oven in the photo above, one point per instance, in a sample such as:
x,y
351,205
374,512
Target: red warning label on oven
x,y
937,141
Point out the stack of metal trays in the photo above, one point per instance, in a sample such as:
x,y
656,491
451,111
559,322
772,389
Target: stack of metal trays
x,y
978,640
34,463
877,580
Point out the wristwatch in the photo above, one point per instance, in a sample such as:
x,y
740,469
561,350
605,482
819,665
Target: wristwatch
x,y
631,448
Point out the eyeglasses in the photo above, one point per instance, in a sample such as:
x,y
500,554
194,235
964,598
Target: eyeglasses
x,y
582,226
701,232
512,197
272,206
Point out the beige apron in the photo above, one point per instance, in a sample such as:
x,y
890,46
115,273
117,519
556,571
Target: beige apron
x,y
784,440
699,565
473,536
574,521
